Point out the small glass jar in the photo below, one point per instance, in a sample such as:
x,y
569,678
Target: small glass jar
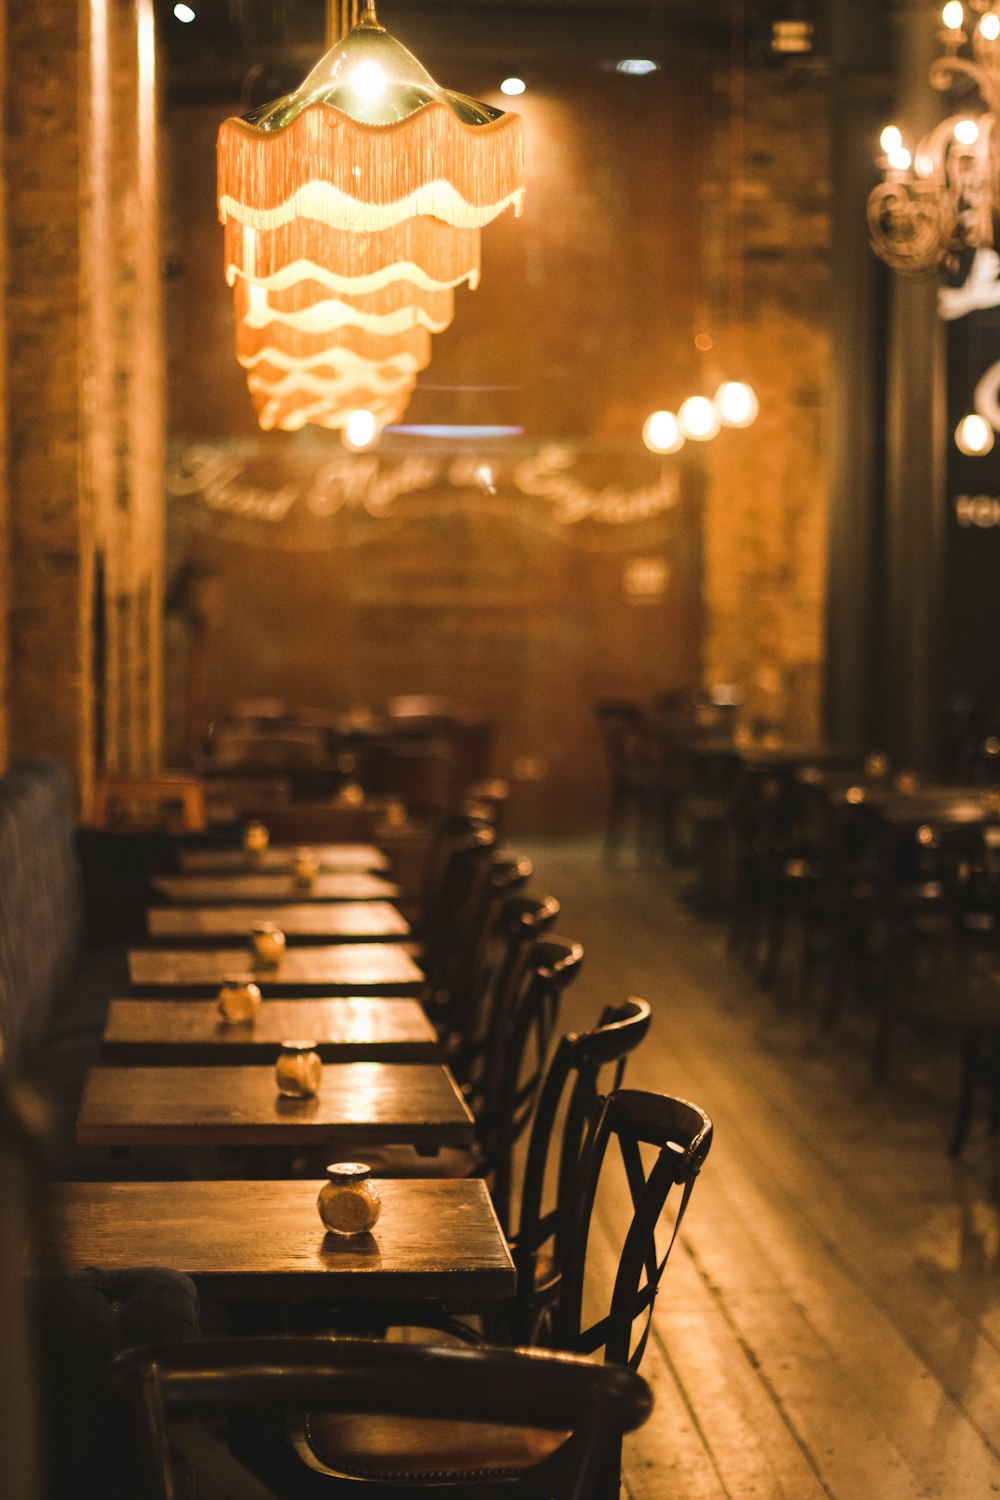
x,y
306,867
267,944
349,1202
350,794
238,1000
395,812
256,838
298,1070
877,765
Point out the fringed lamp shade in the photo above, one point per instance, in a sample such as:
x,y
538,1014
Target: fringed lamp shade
x,y
352,210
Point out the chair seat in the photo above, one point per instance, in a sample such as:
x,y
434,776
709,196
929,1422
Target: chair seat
x,y
414,1449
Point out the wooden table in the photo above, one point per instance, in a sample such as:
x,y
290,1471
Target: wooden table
x,y
345,921
344,1030
280,858
346,969
221,890
435,1239
418,1104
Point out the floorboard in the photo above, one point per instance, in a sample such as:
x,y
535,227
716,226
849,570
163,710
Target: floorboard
x,y
830,1322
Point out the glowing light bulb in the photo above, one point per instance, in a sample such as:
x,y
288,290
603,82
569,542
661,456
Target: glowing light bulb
x,y
184,13
736,404
989,27
953,15
900,159
361,430
974,436
486,479
661,432
637,67
369,80
699,419
966,132
891,138
513,86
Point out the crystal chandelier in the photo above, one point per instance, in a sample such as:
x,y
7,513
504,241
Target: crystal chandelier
x,y
937,200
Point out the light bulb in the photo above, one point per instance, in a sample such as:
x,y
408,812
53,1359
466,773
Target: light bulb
x,y
974,435
736,404
966,132
953,15
661,432
891,138
369,80
184,13
699,419
637,67
513,86
899,159
989,27
361,430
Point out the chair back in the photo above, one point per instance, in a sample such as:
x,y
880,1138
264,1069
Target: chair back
x,y
464,875
528,1389
172,800
681,1134
570,1088
521,1029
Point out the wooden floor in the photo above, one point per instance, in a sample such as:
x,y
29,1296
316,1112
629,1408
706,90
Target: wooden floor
x,y
830,1322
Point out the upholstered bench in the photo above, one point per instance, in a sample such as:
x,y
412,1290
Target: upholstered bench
x,y
54,985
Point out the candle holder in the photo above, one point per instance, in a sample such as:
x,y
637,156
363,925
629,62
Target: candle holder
x,y
267,944
256,838
298,1070
306,867
349,1202
238,1000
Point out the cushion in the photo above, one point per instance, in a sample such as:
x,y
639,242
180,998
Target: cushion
x,y
416,1448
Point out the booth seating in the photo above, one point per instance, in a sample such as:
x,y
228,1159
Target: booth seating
x,y
54,987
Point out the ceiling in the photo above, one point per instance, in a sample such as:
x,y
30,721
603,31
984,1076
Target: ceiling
x,y
260,48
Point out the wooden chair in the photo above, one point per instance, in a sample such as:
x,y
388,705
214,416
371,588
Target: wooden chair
x,y
681,1135
570,1092
502,1097
386,1419
173,800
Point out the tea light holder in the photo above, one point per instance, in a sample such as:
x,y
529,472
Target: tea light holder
x,y
267,944
349,1202
877,765
238,1000
306,867
256,838
298,1070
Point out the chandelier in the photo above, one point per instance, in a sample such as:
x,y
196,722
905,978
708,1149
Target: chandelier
x,y
352,210
937,201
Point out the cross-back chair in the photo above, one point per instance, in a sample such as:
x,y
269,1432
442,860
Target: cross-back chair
x,y
681,1135
393,1418
570,1090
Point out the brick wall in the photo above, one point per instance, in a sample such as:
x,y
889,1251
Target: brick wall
x,y
85,414
766,488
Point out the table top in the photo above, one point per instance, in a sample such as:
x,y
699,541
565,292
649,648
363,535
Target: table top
x,y
219,890
344,1030
281,858
347,921
435,1239
361,1103
346,968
